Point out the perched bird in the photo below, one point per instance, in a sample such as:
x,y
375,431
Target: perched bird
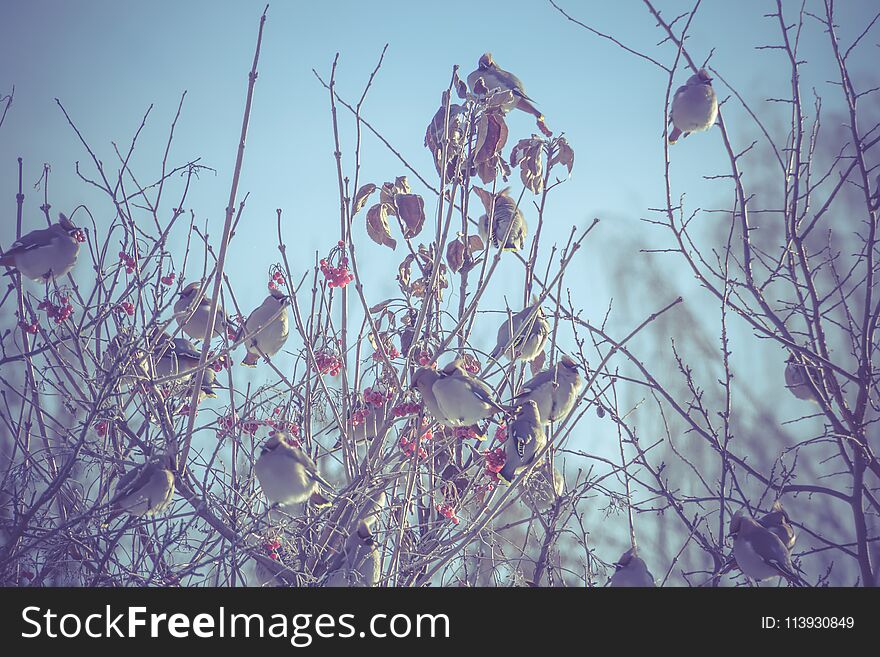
x,y
359,562
496,78
630,571
463,399
209,380
554,390
193,317
423,380
175,356
146,490
759,552
803,380
126,362
268,324
509,229
530,328
525,438
286,473
47,254
694,106
778,522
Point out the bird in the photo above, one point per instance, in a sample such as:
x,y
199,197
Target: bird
x,y
529,330
371,419
146,490
508,224
358,565
174,356
423,380
694,106
554,390
496,78
267,327
759,552
631,571
126,362
525,438
463,399
779,522
193,317
286,473
803,380
47,254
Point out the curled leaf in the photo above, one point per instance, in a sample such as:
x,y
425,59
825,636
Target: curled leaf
x,y
455,254
528,154
491,137
411,211
564,155
361,198
377,226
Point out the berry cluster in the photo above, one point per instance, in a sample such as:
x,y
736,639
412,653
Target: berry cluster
x,y
276,280
169,279
127,307
406,408
359,416
271,548
391,350
338,276
465,432
101,428
501,433
129,262
448,512
425,359
471,364
79,236
31,328
328,363
409,447
221,362
374,397
58,312
495,460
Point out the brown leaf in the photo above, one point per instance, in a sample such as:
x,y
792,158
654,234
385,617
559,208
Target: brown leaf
x,y
404,273
379,307
475,243
491,137
411,210
537,363
377,226
455,254
361,198
564,155
461,88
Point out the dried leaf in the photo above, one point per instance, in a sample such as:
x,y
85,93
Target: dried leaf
x,y
377,226
564,155
537,363
361,198
404,273
461,88
491,137
475,243
411,210
379,307
455,254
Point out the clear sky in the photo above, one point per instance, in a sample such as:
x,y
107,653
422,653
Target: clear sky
x,y
107,61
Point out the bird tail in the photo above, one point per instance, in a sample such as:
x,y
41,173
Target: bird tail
x,y
673,136
319,501
250,360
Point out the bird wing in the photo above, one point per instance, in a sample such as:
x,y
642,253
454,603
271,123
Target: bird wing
x,y
33,240
485,394
541,378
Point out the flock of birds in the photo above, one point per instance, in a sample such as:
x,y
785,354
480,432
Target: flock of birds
x,y
453,396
